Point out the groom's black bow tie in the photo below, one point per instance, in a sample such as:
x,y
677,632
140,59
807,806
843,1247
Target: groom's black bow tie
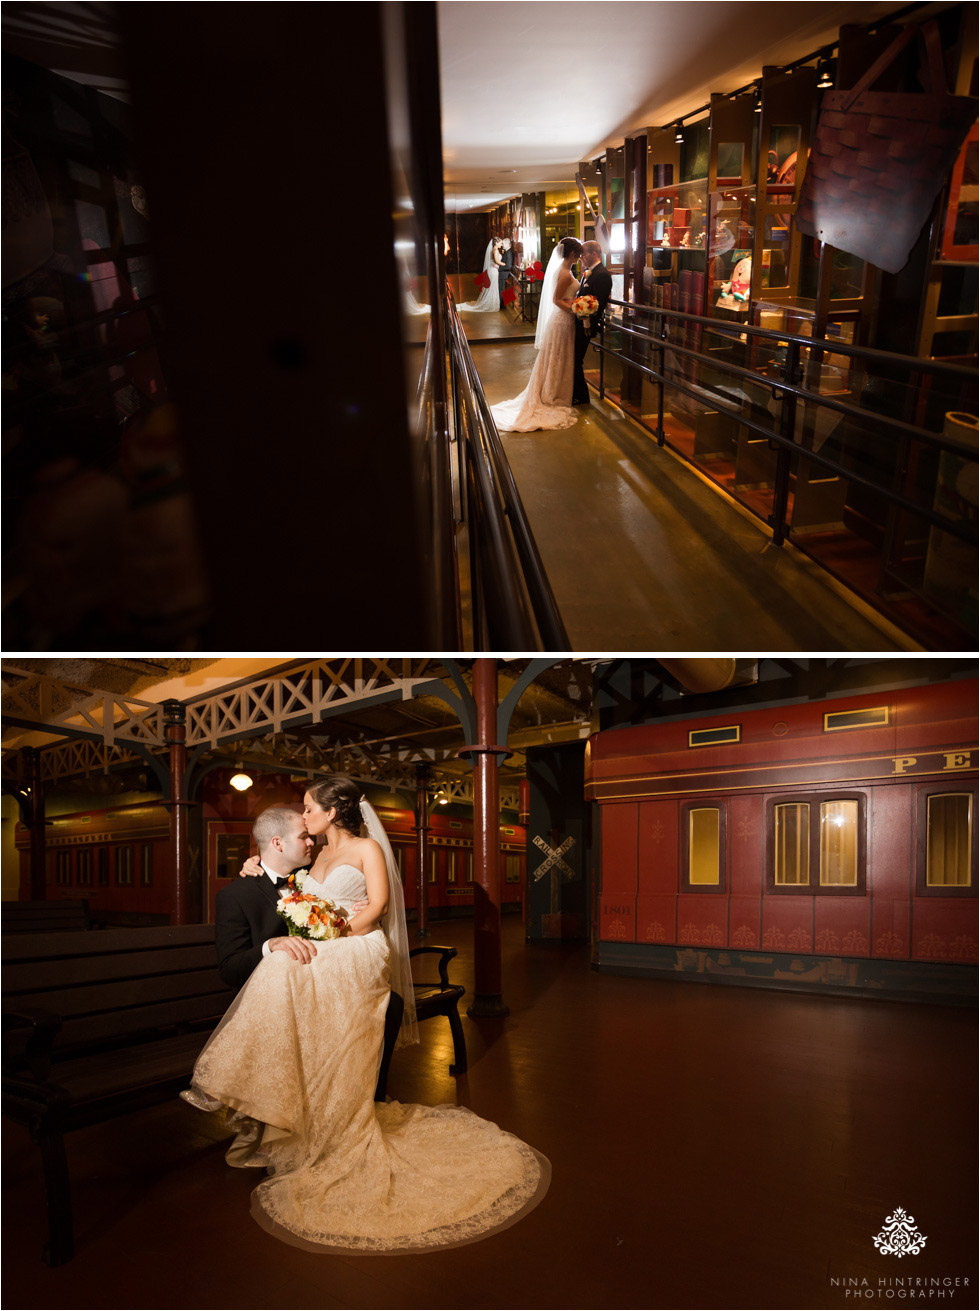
x,y
283,881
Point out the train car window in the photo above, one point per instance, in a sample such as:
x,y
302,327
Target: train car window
x,y
949,840
85,867
792,845
124,866
146,865
817,845
714,737
399,854
433,865
872,717
512,869
704,848
102,865
704,852
839,844
62,868
453,859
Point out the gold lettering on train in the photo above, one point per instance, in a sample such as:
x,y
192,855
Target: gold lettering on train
x,y
902,763
956,760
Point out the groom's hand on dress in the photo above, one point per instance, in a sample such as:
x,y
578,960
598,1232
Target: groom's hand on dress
x,y
300,949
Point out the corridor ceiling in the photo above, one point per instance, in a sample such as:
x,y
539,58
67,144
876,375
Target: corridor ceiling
x,y
529,90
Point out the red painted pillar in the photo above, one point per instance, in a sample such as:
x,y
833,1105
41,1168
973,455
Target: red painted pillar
x,y
35,811
175,717
488,992
422,850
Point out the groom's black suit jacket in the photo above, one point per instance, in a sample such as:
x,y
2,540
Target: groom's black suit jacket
x,y
245,917
597,282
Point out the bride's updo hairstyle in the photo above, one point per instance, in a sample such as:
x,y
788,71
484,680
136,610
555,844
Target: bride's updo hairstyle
x,y
344,794
569,246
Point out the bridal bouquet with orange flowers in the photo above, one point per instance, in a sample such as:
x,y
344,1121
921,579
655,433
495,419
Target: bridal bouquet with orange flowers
x,y
307,916
583,307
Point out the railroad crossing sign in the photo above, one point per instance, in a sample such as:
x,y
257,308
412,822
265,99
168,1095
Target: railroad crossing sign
x,y
553,858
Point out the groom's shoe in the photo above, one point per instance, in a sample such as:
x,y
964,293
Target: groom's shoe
x,y
587,400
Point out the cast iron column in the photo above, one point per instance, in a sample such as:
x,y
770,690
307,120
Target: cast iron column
x,y
175,717
35,810
487,991
421,850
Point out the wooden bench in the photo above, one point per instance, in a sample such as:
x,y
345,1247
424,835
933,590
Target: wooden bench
x,y
431,999
97,1024
70,915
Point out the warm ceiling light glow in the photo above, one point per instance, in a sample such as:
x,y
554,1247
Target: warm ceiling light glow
x,y
679,134
240,782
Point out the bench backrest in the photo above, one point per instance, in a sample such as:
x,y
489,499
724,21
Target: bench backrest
x,y
115,984
44,916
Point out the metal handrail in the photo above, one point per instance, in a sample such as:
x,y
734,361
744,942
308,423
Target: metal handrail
x,y
783,437
521,609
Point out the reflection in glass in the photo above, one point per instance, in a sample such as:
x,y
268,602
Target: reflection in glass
x,y
838,844
949,841
616,198
704,861
792,845
774,271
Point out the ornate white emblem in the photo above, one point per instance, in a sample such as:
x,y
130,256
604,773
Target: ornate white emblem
x,y
899,1236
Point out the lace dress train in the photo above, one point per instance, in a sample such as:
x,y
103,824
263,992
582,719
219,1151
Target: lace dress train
x,y
546,401
299,1051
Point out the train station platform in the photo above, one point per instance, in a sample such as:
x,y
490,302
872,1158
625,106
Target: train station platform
x,y
643,554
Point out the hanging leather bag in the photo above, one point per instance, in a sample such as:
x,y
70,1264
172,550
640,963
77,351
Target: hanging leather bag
x,y
880,157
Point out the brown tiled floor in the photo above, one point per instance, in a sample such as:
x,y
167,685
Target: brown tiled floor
x,y
712,1147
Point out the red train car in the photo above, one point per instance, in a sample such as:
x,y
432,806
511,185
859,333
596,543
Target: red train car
x,y
119,858
450,858
827,844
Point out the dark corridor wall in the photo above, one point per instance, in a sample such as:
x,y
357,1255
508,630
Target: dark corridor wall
x,y
468,237
559,844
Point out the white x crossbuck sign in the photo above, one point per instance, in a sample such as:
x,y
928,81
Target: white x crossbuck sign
x,y
553,857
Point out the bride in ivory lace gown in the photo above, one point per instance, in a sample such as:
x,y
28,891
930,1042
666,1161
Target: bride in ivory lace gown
x,y
298,1050
546,401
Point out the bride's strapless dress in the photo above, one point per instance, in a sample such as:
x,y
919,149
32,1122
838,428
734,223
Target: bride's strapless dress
x,y
546,401
299,1050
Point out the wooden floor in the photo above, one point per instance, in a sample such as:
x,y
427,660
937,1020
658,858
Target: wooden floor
x,y
711,1147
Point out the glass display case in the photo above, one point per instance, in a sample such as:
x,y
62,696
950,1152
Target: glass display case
x,y
824,372
677,216
731,215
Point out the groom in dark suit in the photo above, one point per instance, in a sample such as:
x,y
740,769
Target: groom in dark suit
x,y
505,269
596,281
247,926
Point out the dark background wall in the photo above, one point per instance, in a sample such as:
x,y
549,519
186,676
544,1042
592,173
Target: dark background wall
x,y
558,899
468,237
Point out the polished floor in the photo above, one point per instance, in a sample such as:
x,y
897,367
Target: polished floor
x,y
643,555
711,1147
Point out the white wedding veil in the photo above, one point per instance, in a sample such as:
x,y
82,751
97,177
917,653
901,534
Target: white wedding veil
x,y
546,306
395,927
